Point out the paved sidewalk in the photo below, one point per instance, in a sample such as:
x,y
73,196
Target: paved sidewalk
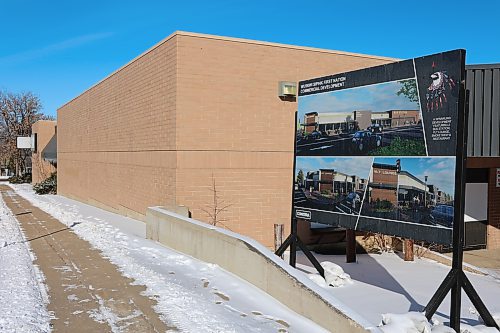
x,y
87,293
488,259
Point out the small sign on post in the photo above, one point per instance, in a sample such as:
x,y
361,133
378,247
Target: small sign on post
x,y
498,177
24,142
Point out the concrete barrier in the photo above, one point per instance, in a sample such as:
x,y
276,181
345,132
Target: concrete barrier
x,y
254,263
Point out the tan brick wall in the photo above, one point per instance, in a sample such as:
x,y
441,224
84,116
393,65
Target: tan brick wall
x,y
493,211
117,138
155,131
227,104
40,168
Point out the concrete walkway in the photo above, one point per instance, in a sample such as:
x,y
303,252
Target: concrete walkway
x,y
488,259
87,293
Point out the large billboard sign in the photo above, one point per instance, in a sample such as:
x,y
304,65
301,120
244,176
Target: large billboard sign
x,y
376,148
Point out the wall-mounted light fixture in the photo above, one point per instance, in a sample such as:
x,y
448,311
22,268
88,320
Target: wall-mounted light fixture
x,y
287,90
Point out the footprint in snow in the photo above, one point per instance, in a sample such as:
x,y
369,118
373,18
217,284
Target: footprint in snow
x,y
221,295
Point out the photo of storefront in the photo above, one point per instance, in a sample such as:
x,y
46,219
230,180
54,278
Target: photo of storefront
x,y
383,184
331,123
374,120
329,180
398,194
331,188
403,117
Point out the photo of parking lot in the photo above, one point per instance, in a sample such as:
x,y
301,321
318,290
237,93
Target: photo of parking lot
x,y
331,184
381,119
418,190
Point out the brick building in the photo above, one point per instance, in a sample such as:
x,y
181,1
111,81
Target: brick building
x,y
333,181
44,150
383,183
482,206
403,117
193,113
348,122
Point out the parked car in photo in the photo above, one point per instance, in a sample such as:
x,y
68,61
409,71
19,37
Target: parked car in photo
x,y
375,128
353,196
315,135
364,140
353,199
443,215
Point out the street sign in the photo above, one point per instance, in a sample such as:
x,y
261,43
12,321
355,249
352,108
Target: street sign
x,y
24,142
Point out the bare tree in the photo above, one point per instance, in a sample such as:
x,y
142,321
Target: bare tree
x,y
17,113
217,207
42,168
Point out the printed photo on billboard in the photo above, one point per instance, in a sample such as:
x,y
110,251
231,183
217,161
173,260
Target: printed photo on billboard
x,y
415,190
375,148
381,119
332,184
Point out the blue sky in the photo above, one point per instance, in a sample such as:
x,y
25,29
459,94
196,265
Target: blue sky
x,y
376,97
359,166
440,170
57,49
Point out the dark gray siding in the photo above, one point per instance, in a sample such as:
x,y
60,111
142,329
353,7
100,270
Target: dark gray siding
x,y
483,82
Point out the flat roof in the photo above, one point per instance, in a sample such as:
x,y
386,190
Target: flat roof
x,y
384,166
229,39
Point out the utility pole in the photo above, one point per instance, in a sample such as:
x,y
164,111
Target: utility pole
x,y
425,195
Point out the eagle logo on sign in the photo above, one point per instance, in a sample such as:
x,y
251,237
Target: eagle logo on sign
x,y
442,84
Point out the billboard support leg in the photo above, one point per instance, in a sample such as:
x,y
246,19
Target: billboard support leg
x,y
279,252
311,258
293,241
456,301
440,294
455,281
350,246
477,302
293,245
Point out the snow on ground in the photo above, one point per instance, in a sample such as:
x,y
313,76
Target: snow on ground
x,y
385,283
192,295
23,297
416,322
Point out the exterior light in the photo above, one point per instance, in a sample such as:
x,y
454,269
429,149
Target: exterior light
x,y
287,89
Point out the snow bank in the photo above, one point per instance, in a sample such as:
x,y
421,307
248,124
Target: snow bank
x,y
23,297
412,322
334,276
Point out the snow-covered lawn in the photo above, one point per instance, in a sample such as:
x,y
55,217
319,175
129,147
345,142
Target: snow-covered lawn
x,y
386,284
23,297
194,296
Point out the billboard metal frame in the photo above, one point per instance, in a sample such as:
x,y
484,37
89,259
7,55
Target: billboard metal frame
x,y
293,239
456,278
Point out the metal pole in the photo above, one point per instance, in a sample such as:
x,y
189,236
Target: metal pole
x,y
351,245
425,193
293,244
458,225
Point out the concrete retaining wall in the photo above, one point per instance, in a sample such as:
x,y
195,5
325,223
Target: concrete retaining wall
x,y
254,263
